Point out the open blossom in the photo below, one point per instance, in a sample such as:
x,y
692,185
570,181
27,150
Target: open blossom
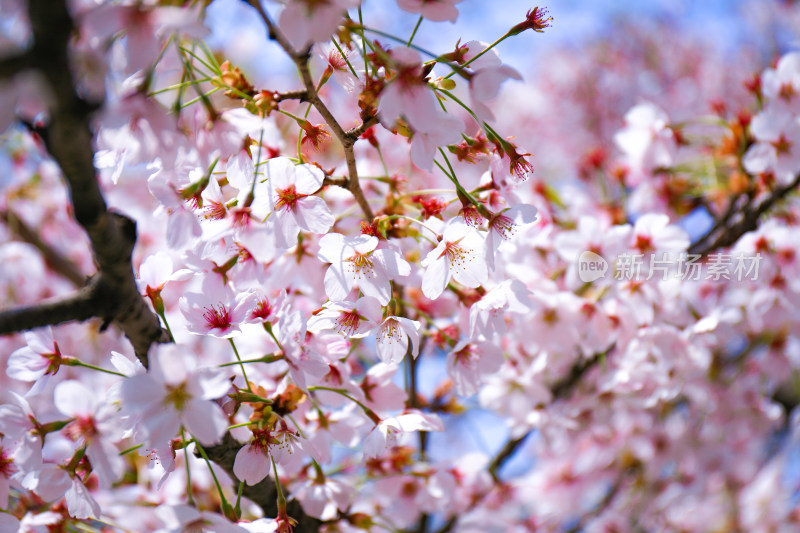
x,y
777,147
217,311
459,256
489,73
487,316
322,498
95,424
287,197
388,432
285,446
351,319
647,141
396,335
40,358
503,226
175,393
437,11
305,22
408,94
358,262
781,85
469,361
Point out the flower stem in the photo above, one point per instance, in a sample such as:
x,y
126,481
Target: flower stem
x,y
241,365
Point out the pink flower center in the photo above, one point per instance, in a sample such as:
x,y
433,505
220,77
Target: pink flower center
x,y
783,145
217,317
360,265
177,396
457,256
288,197
504,226
262,310
7,467
347,323
82,426
390,330
214,211
465,356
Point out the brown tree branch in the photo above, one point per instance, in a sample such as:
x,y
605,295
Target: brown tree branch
x,y
561,389
264,493
54,260
68,139
347,141
13,65
86,303
736,223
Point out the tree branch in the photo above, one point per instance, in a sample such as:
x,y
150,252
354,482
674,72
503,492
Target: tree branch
x,y
52,258
347,141
13,65
68,139
725,233
80,306
264,493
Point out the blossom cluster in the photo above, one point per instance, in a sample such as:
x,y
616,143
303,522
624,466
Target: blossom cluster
x,y
362,278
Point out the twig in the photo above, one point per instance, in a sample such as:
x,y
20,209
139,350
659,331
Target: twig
x,y
727,234
12,65
52,258
347,141
560,389
300,94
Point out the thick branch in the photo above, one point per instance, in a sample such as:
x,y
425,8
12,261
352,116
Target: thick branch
x,y
264,494
79,306
68,139
12,65
347,141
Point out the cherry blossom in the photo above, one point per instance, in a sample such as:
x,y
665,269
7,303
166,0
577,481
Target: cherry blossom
x,y
436,11
39,359
390,430
458,256
287,197
358,262
176,393
217,311
396,336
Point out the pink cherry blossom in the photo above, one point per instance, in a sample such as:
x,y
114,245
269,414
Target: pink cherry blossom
x,y
778,146
437,11
288,198
351,319
176,393
396,336
389,431
217,311
459,256
358,262
646,140
39,359
95,424
305,22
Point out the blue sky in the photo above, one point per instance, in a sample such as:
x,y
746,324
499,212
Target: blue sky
x,y
728,23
